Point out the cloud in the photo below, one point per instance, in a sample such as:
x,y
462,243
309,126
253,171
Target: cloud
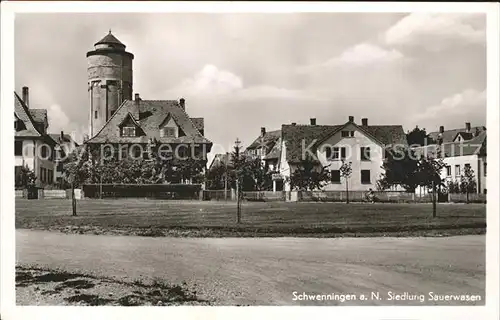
x,y
435,32
464,105
59,121
211,82
360,55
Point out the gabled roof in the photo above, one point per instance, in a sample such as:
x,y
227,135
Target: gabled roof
x,y
464,135
154,112
294,135
24,114
449,135
199,123
268,140
221,159
66,138
39,115
109,39
474,146
275,152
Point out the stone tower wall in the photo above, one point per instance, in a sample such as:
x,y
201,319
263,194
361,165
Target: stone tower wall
x,y
108,72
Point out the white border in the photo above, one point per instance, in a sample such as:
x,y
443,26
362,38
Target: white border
x,y
7,293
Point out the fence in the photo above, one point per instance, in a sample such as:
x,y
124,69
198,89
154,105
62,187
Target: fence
x,y
55,194
217,195
359,196
264,196
152,191
462,198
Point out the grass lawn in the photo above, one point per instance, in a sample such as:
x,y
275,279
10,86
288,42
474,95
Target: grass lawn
x,y
193,218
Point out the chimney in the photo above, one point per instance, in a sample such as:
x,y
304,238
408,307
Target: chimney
x,y
351,119
262,131
26,96
294,123
313,121
364,121
137,97
62,136
441,129
182,103
467,126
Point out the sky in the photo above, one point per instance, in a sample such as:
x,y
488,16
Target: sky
x,y
245,71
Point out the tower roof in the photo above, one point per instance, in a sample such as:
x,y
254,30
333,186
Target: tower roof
x,y
110,39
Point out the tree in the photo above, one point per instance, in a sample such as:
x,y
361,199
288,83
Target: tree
x,y
346,172
215,177
453,187
417,137
77,169
25,177
468,182
309,175
400,166
428,174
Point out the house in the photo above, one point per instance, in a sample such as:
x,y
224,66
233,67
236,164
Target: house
x,y
65,144
220,159
459,148
138,125
327,145
33,147
266,147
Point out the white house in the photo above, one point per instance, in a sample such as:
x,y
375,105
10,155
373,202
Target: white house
x,y
33,147
460,148
362,145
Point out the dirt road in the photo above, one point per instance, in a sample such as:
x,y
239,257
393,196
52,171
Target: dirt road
x,y
267,271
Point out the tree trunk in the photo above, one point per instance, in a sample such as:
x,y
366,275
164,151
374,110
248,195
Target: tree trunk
x,y
73,199
238,199
434,200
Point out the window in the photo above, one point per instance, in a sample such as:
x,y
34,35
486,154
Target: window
x,y
43,173
18,148
95,114
448,171
365,153
352,133
168,132
484,170
345,134
457,170
137,152
50,176
124,152
335,176
43,150
365,176
128,131
332,153
59,167
342,153
484,191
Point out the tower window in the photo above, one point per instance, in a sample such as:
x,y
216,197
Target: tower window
x,y
95,114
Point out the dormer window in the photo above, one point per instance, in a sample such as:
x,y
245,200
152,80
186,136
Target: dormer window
x,y
167,132
128,132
